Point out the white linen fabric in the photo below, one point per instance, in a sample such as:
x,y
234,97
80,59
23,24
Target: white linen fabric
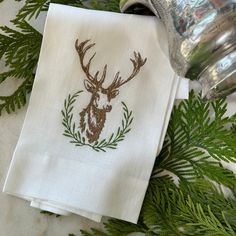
x,y
63,175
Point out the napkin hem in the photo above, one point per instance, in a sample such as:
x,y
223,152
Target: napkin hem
x,y
125,205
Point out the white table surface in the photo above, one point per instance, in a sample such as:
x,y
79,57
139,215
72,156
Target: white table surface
x,y
17,218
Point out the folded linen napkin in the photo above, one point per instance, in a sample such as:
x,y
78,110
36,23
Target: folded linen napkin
x,y
97,116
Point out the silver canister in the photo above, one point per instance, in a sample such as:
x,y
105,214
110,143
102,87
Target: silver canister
x,y
202,40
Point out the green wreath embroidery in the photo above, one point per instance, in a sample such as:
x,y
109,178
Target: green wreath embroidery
x,y
72,131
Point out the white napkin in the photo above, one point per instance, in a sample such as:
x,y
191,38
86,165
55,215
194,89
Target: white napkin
x,y
126,113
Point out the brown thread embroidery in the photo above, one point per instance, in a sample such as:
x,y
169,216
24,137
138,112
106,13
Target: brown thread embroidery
x,y
93,117
71,131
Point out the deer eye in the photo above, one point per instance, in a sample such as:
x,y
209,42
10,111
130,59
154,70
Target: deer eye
x,y
104,91
97,96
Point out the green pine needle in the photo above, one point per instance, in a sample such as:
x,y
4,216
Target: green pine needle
x,y
18,98
195,138
32,8
198,209
20,50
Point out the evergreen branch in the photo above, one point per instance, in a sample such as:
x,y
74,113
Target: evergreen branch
x,y
233,128
187,210
93,232
20,50
32,8
216,172
199,211
18,98
49,213
204,191
16,73
194,138
196,206
116,228
111,5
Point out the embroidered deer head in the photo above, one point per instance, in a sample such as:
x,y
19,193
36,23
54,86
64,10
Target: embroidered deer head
x,y
93,117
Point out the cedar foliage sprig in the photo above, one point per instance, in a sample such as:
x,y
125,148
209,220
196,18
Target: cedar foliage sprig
x,y
196,206
32,8
20,50
199,209
197,141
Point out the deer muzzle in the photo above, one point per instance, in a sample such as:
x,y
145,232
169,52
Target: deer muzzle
x,y
108,108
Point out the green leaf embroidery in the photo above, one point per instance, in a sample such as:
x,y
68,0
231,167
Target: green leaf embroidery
x,y
78,140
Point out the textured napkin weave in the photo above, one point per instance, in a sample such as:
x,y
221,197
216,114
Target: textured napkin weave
x,y
97,117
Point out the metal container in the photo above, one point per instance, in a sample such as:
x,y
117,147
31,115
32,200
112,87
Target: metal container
x,y
201,38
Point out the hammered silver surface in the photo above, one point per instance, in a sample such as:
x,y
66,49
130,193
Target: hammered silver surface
x,y
200,35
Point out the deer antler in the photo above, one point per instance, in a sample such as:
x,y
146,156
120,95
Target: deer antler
x,y
82,49
137,62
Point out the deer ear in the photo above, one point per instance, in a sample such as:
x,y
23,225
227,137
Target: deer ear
x,y
89,86
114,93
